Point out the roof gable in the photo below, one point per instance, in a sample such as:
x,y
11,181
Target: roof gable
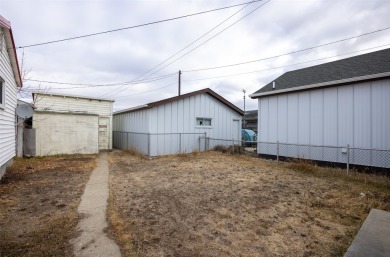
x,y
11,50
176,98
374,64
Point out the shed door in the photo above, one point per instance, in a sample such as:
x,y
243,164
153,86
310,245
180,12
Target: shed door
x,y
103,133
236,131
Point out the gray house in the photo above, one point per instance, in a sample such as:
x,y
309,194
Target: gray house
x,y
332,112
178,124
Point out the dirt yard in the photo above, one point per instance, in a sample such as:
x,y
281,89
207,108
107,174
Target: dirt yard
x,y
214,204
38,204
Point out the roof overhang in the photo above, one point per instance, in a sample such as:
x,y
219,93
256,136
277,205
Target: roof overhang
x,y
321,85
71,96
11,49
176,98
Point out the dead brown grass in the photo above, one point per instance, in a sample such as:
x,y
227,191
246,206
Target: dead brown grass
x,y
215,204
38,204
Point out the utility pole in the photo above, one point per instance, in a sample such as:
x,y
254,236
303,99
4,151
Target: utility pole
x,y
179,81
244,123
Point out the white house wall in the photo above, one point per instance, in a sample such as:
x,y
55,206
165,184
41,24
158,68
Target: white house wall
x,y
58,133
7,113
356,115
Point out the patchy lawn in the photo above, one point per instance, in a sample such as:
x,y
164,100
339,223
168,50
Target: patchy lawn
x,y
214,204
38,204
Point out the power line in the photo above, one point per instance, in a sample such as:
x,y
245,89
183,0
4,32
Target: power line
x,y
86,85
293,52
212,37
193,42
148,71
294,64
135,26
175,83
203,42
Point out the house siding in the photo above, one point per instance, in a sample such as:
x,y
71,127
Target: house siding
x,y
166,121
356,115
7,113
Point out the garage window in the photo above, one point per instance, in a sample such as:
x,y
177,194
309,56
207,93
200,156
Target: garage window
x,y
203,122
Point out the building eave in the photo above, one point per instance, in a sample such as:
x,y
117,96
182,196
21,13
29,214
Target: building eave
x,y
11,49
321,85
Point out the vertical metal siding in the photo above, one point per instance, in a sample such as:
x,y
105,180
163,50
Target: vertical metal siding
x,y
180,117
356,114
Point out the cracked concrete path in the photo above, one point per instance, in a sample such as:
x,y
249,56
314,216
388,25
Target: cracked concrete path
x,y
93,241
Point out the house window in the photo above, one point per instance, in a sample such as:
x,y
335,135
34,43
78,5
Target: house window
x,y
203,122
2,94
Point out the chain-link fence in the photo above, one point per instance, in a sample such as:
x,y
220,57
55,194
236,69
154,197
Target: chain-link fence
x,y
340,156
156,144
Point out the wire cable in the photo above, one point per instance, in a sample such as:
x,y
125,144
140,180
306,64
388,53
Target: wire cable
x,y
293,52
202,43
135,26
161,63
294,64
86,85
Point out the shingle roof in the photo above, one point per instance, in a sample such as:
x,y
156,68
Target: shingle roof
x,y
358,66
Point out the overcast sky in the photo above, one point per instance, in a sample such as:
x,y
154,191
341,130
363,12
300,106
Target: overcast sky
x,y
278,27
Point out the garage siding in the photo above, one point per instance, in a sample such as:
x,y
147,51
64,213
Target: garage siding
x,y
356,114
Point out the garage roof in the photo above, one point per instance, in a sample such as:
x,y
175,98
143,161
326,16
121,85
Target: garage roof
x,y
176,98
362,67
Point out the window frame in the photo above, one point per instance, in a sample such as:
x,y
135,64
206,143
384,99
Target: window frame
x,y
203,119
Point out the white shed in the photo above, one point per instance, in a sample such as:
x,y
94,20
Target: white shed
x,y
336,112
178,124
10,80
67,124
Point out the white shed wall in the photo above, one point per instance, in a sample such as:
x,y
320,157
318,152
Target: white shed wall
x,y
7,113
70,104
66,133
165,122
356,114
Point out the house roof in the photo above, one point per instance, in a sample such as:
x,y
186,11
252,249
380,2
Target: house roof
x,y
10,46
176,98
372,65
251,115
72,96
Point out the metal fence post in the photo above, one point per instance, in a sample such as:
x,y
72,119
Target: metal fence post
x,y
233,144
179,142
127,140
347,158
277,151
148,144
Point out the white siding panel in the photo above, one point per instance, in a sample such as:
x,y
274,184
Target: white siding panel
x,y
273,119
380,114
304,124
7,112
316,124
345,119
330,123
282,125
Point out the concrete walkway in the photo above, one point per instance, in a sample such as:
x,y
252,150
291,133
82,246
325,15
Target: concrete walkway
x,y
93,241
373,238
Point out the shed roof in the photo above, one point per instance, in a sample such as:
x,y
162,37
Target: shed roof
x,y
72,96
10,46
176,98
372,65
